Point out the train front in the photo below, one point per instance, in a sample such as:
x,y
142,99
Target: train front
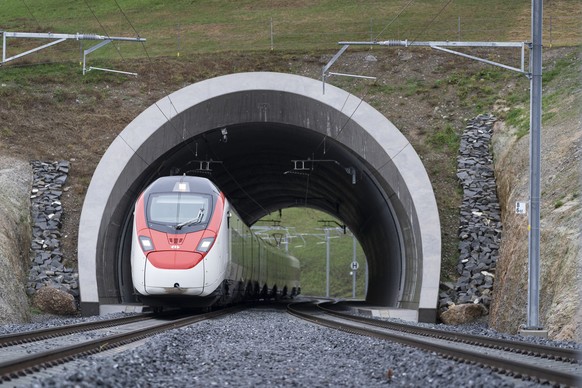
x,y
176,247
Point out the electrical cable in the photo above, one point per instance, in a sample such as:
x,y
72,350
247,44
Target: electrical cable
x,y
307,189
103,28
362,99
145,51
393,20
431,21
132,27
31,14
188,145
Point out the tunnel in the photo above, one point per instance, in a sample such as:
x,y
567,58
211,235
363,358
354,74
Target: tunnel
x,y
271,141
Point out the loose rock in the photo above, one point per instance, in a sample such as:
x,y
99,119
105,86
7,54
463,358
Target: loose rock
x,y
480,224
55,301
461,314
47,269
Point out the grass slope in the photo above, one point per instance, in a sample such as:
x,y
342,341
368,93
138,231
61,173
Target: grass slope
x,y
192,27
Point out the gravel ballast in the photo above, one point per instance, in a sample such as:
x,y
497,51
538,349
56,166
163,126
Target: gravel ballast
x,y
266,346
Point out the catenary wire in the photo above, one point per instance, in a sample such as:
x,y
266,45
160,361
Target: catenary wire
x,y
393,19
103,28
189,146
362,99
31,14
431,21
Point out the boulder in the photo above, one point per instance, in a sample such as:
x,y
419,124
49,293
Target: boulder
x,y
54,301
463,313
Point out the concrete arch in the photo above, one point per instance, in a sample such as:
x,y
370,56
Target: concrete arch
x,y
368,175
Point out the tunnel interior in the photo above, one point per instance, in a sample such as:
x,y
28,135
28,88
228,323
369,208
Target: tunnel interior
x,y
263,167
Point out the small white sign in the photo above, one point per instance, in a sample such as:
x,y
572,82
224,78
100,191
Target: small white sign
x,y
355,265
520,208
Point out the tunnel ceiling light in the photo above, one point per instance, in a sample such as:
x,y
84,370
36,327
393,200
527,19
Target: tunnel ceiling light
x,y
224,133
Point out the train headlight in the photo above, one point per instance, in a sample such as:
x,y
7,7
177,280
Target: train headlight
x,y
205,244
146,243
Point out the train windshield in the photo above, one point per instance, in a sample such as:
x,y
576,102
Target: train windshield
x,y
179,209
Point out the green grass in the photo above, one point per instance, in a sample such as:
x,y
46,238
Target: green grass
x,y
308,244
554,92
518,118
446,137
6,132
190,27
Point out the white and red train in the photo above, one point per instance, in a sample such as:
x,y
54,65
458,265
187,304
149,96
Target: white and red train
x,y
191,249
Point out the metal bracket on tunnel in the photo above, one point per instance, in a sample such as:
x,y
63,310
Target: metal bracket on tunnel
x,y
300,165
203,165
325,74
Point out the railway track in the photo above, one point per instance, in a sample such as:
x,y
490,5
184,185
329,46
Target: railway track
x,y
59,345
518,359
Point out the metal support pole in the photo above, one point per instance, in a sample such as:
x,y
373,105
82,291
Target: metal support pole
x,y
59,38
90,50
535,76
459,28
366,280
354,260
535,166
3,47
326,262
178,40
271,33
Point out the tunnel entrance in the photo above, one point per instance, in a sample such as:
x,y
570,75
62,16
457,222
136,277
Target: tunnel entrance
x,y
272,141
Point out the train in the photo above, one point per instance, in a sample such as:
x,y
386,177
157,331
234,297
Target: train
x,y
190,249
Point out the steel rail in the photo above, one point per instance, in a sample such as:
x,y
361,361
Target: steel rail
x,y
41,334
309,311
33,363
552,352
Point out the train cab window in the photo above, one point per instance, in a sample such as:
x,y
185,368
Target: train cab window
x,y
179,210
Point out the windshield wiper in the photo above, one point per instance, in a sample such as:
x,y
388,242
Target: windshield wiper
x,y
195,220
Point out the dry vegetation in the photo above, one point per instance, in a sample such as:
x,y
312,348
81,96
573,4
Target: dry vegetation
x,y
560,209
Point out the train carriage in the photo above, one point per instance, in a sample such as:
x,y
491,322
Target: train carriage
x,y
191,249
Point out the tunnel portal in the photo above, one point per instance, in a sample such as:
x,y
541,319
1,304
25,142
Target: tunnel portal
x,y
272,141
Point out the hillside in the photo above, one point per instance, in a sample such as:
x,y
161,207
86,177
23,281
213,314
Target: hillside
x,y
560,254
50,111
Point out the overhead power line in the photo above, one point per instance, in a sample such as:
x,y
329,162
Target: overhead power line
x,y
103,28
31,14
394,19
432,20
